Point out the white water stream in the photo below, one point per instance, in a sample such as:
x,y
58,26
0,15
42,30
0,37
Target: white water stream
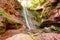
x,y
26,14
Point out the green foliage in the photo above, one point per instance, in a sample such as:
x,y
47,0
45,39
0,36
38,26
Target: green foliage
x,y
7,16
37,1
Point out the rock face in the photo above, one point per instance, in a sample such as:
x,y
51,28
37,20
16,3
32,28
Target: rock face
x,y
10,19
48,36
20,37
44,36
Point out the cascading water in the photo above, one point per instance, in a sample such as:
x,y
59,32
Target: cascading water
x,y
26,15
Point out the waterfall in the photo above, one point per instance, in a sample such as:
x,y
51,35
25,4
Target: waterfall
x,y
26,15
